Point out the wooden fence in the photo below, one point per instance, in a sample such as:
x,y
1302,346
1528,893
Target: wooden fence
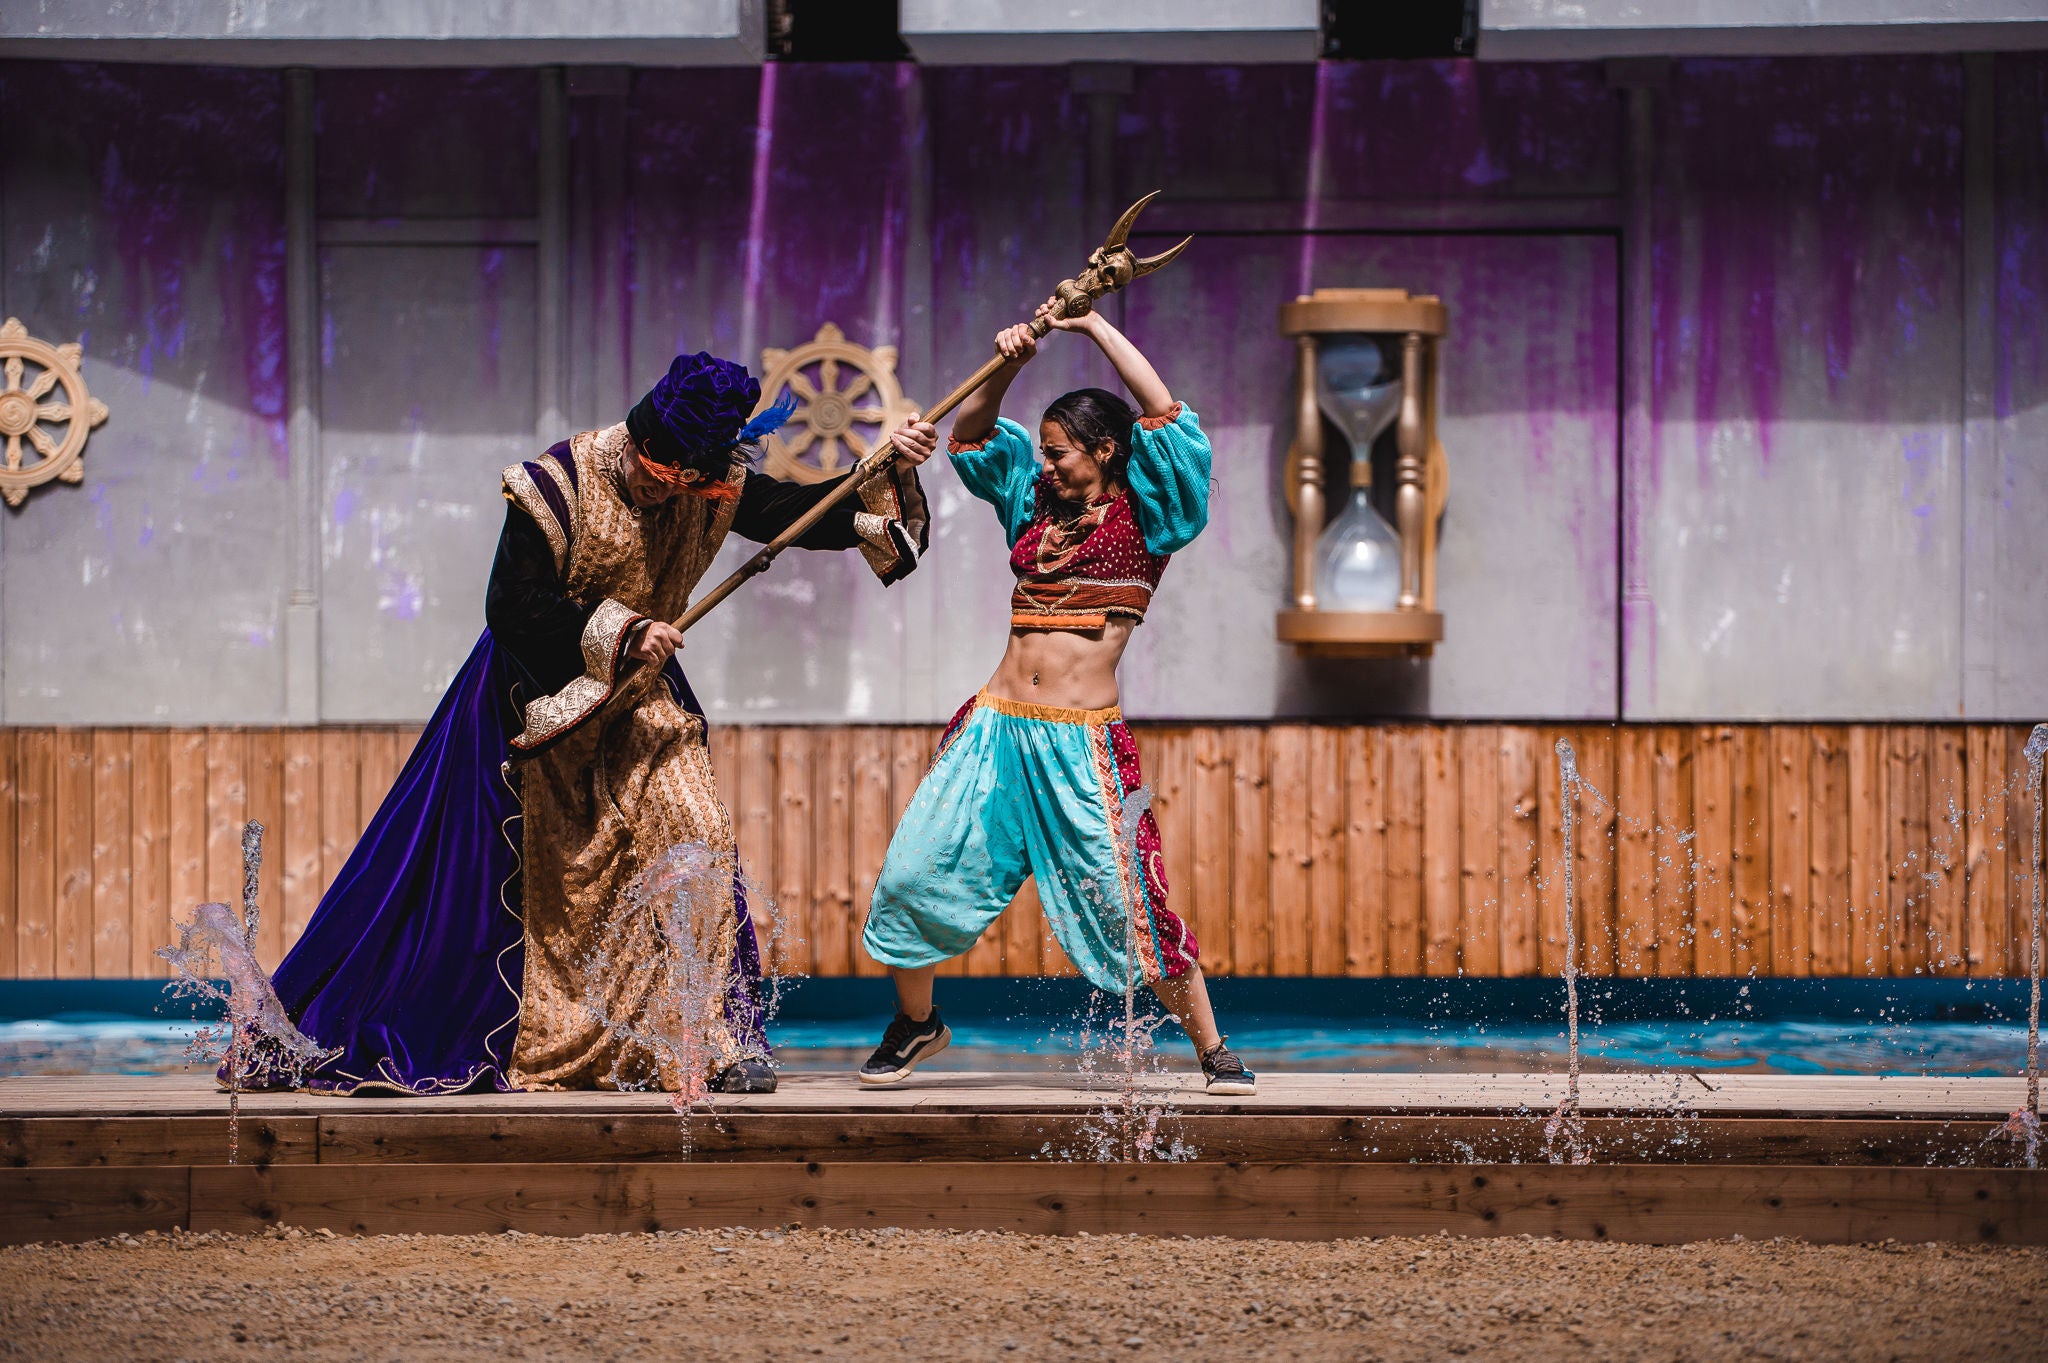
x,y
1292,849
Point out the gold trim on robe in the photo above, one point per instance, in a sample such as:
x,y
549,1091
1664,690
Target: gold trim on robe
x,y
612,794
605,636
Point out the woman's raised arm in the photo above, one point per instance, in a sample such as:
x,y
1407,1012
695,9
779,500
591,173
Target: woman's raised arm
x,y
976,415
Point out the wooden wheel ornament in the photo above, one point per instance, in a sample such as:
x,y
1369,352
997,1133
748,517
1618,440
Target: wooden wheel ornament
x,y
828,417
53,431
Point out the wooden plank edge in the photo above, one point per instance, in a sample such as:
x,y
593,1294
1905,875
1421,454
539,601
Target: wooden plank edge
x,y
1651,1204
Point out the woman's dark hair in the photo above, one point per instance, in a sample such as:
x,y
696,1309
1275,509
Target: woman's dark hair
x,y
1091,416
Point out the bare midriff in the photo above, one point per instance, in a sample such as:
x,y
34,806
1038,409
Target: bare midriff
x,y
1069,668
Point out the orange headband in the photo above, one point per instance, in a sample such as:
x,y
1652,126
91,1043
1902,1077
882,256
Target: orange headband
x,y
689,481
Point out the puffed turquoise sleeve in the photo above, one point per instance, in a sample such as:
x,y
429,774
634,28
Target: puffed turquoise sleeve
x,y
1001,470
1169,478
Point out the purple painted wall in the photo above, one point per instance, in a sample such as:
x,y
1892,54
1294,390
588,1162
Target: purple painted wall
x,y
1803,520
1807,391
141,213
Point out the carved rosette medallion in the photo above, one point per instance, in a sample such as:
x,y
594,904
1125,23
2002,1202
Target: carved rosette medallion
x,y
832,427
53,431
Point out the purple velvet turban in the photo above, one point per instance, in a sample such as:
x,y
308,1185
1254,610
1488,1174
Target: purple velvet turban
x,y
696,415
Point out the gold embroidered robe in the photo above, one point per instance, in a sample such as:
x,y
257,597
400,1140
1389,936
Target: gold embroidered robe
x,y
625,774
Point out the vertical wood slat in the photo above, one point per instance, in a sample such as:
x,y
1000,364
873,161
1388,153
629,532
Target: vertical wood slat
x,y
1365,851
1406,759
72,913
302,879
1828,879
1906,857
379,758
1791,870
2022,856
1440,869
1946,797
227,806
1713,850
266,758
36,861
1553,924
10,890
1635,837
1251,903
1672,782
1870,938
340,793
1479,850
1209,901
113,852
1288,859
1519,896
1750,817
149,826
187,785
793,850
1984,853
1326,850
872,825
1596,909
70,823
832,855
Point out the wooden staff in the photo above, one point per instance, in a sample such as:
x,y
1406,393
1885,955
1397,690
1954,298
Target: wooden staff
x,y
1110,267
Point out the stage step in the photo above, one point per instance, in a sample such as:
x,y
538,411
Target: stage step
x,y
1630,1202
438,1137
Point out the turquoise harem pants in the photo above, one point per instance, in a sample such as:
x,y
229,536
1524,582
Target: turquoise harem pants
x,y
1017,790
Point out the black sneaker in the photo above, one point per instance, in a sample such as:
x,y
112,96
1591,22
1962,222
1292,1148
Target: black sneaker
x,y
1225,1073
745,1076
906,1043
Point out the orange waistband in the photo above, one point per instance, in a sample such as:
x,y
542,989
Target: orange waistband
x,y
1052,714
1026,620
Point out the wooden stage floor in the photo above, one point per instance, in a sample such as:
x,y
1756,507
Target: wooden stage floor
x,y
1673,1157
1703,1093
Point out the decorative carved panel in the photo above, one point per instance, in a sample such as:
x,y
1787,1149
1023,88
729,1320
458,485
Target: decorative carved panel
x,y
44,439
833,426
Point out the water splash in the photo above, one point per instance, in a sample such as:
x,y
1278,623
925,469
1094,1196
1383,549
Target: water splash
x,y
1564,1135
255,1034
2024,1126
661,973
1132,1124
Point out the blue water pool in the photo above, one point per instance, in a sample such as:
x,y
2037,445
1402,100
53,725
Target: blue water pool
x,y
1769,1026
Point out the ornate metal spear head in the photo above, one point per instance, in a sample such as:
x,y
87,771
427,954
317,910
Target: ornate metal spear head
x,y
1110,267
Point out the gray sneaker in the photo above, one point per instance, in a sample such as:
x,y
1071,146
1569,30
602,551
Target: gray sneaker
x,y
907,1043
1226,1074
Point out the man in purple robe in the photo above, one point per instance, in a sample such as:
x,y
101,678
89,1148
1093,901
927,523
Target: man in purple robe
x,y
453,950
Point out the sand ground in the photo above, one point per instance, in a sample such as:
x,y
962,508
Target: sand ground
x,y
739,1295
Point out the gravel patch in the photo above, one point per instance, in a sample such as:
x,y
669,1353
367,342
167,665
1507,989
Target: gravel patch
x,y
911,1295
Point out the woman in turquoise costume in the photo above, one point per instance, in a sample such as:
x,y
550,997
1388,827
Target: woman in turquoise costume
x,y
1034,774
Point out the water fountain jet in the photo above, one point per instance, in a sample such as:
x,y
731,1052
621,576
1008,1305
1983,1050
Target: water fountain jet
x,y
214,945
1564,1134
1127,1128
661,977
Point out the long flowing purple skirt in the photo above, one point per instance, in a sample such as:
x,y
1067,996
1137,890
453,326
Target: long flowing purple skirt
x,y
412,962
